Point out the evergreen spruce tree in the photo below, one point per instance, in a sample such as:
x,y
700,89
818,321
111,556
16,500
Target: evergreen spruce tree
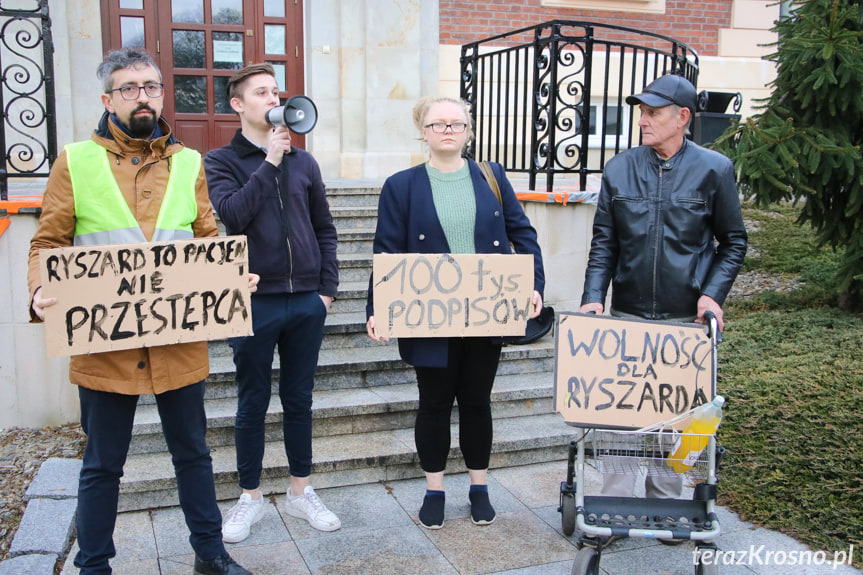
x,y
804,144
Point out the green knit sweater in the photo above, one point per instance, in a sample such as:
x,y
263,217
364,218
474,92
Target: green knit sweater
x,y
455,204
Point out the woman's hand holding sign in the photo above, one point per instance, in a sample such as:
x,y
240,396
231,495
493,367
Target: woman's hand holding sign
x,y
537,304
370,329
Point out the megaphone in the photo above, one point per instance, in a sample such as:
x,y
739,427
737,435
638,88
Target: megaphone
x,y
299,115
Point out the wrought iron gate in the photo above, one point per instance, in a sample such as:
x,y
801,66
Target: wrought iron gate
x,y
28,135
549,99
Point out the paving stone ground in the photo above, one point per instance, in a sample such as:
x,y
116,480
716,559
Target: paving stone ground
x,y
380,536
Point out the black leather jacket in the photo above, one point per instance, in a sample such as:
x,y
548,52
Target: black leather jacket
x,y
654,230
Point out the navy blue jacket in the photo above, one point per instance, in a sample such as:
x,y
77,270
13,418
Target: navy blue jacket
x,y
283,212
408,223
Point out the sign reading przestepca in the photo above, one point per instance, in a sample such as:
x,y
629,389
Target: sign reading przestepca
x,y
452,295
627,373
127,296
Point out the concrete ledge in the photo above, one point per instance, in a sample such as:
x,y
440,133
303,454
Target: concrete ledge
x,y
45,528
49,519
29,565
57,479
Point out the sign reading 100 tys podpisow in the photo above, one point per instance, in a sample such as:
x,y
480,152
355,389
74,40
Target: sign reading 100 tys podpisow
x,y
452,295
126,296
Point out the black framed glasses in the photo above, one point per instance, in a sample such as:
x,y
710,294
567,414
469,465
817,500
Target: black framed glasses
x,y
130,92
440,127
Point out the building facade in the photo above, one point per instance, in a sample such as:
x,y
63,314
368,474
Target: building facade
x,y
363,62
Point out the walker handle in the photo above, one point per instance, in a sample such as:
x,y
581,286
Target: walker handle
x,y
713,326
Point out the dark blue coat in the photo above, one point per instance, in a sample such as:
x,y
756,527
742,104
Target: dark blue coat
x,y
408,223
283,212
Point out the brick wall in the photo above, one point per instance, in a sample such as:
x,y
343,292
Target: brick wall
x,y
694,22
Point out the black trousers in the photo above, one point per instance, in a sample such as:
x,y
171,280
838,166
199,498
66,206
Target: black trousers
x,y
107,419
468,378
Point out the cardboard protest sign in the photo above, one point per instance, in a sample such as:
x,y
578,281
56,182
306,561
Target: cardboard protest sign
x,y
127,296
452,295
627,374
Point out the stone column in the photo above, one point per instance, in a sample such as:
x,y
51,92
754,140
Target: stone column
x,y
368,63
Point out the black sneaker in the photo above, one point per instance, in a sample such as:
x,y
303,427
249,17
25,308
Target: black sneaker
x,y
432,512
481,511
221,565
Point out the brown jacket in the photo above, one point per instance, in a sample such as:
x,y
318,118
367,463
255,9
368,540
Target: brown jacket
x,y
141,168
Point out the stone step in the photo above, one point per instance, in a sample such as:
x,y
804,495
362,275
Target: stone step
x,y
341,460
349,411
366,197
351,298
356,241
347,330
349,187
380,365
355,267
351,218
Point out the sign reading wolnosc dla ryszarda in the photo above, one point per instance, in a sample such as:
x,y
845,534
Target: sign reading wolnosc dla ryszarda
x,y
125,296
628,373
452,295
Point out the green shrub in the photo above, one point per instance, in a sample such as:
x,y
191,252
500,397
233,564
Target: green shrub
x,y
792,370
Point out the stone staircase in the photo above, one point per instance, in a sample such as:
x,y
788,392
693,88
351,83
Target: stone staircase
x,y
365,397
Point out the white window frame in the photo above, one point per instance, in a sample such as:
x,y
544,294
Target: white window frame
x,y
594,141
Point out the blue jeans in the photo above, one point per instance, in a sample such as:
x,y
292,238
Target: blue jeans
x,y
107,419
294,323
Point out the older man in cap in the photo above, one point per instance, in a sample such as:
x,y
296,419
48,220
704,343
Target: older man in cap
x,y
668,231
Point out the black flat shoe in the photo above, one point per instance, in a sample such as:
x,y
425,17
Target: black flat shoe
x,y
431,513
221,565
481,511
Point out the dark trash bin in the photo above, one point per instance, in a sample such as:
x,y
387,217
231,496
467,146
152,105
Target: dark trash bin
x,y
710,119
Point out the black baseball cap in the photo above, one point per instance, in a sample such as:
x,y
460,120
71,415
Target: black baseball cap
x,y
666,90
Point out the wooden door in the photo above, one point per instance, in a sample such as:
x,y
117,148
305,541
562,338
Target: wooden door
x,y
198,44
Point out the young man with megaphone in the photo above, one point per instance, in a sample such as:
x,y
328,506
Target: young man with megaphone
x,y
263,188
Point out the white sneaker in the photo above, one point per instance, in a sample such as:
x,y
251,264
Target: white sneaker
x,y
309,507
241,517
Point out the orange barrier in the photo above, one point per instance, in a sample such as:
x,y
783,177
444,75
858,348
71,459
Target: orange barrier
x,y
18,202
555,197
14,206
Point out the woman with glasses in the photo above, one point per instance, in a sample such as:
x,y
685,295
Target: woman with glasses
x,y
446,206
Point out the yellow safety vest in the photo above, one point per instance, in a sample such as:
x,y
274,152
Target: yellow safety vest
x,y
102,215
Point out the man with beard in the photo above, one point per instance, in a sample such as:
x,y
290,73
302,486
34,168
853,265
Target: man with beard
x,y
134,182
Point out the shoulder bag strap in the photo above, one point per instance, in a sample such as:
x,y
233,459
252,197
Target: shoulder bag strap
x,y
488,174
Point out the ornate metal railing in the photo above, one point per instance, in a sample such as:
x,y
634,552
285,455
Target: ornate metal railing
x,y
550,99
28,135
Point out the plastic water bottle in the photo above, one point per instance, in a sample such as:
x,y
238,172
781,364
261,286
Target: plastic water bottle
x,y
688,447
